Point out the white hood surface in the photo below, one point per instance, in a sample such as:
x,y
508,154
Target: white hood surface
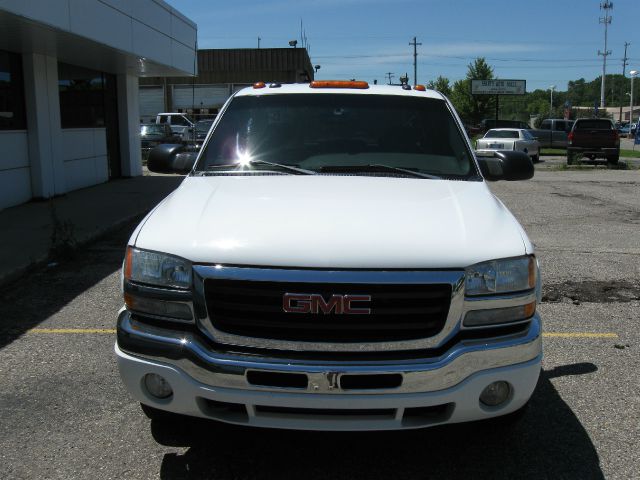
x,y
328,221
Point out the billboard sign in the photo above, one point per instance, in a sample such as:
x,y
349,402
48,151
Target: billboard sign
x,y
498,87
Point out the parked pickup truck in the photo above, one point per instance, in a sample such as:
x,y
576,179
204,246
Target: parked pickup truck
x,y
593,138
181,124
553,132
333,260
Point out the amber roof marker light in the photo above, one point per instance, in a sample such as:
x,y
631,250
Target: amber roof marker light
x,y
420,88
259,85
338,84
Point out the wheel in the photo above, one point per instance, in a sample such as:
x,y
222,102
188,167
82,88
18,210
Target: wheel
x,y
570,158
158,415
535,158
613,159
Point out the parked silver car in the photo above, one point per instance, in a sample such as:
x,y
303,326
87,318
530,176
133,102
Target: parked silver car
x,y
510,139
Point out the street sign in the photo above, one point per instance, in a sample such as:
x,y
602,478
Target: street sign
x,y
498,87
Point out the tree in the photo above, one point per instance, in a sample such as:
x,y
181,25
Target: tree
x,y
441,84
473,108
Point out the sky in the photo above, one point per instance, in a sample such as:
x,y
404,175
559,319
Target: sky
x,y
544,42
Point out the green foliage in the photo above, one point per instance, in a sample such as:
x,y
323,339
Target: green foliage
x,y
537,103
473,108
441,85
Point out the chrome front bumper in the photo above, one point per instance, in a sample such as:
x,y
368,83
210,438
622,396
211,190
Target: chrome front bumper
x,y
195,358
433,391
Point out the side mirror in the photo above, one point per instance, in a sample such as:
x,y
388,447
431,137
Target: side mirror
x,y
506,165
171,158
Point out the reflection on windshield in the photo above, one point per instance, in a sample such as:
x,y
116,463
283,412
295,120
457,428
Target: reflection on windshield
x,y
320,131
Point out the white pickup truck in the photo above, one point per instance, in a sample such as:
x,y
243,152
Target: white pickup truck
x,y
333,260
180,124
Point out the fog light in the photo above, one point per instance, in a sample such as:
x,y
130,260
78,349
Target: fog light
x,y
495,394
157,386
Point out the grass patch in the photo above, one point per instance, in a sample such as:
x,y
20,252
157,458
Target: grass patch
x,y
630,153
553,151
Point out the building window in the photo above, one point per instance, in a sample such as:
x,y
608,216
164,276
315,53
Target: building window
x,y
12,109
81,97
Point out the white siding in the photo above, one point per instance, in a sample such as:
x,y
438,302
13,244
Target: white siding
x,y
151,102
85,157
145,28
15,171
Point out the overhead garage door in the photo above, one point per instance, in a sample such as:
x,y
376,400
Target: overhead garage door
x,y
200,96
151,102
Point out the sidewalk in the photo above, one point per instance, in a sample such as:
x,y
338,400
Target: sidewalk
x,y
26,230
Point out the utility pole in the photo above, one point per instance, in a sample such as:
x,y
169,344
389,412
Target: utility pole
x,y
606,6
622,89
389,75
259,42
415,60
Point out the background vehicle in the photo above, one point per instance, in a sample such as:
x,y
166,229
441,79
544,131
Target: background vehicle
x,y
624,129
202,128
510,139
593,138
552,133
410,303
180,124
152,135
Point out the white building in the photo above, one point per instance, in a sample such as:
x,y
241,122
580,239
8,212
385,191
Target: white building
x,y
69,69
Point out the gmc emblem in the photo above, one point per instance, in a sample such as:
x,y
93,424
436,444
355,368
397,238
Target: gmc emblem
x,y
315,303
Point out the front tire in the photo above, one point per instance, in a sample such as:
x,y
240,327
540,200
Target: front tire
x,y
613,159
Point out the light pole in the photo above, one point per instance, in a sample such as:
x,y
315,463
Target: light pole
x,y
552,88
632,74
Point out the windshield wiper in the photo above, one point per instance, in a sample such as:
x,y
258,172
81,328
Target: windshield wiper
x,y
263,162
376,167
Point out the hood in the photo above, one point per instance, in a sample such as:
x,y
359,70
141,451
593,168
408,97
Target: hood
x,y
329,221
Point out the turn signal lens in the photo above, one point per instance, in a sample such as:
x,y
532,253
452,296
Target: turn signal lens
x,y
497,316
338,84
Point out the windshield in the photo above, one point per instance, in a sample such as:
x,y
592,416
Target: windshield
x,y
151,130
594,125
321,132
501,134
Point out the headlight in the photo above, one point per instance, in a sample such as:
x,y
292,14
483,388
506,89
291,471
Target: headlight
x,y
501,276
156,268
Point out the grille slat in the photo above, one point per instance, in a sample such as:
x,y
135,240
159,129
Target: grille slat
x,y
398,312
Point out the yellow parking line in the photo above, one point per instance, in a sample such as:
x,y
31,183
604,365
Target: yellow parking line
x,y
580,335
72,330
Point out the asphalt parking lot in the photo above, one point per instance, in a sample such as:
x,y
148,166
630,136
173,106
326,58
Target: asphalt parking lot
x,y
65,414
